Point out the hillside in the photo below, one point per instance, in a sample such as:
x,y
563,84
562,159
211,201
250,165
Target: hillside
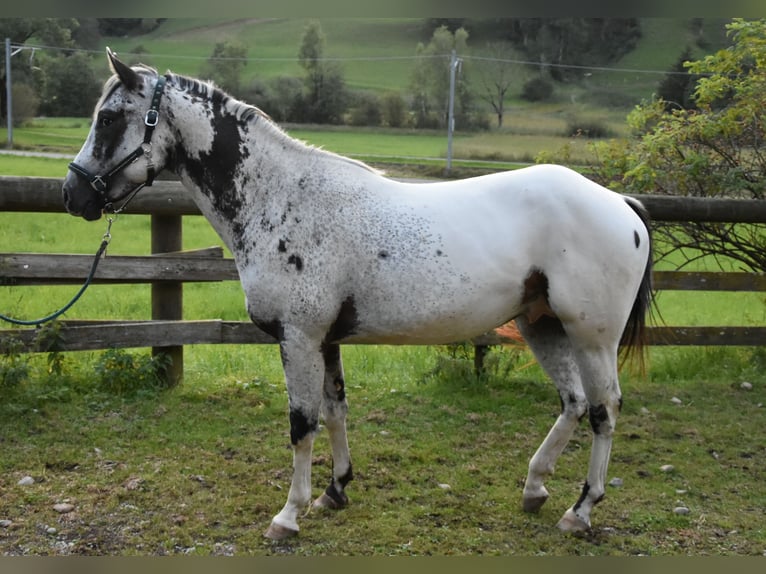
x,y
378,54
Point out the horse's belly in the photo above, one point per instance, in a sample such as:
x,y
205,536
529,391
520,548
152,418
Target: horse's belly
x,y
428,320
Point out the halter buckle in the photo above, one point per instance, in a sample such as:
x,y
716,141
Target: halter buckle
x,y
99,184
152,117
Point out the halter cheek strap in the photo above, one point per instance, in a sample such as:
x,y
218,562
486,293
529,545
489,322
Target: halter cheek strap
x,y
101,182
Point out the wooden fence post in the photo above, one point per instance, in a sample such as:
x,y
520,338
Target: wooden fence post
x,y
167,296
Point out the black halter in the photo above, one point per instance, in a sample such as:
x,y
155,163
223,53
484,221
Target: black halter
x,y
101,182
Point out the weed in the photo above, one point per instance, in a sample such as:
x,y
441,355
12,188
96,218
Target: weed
x,y
122,373
14,366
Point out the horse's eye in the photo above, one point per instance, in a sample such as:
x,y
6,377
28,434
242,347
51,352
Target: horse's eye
x,y
105,119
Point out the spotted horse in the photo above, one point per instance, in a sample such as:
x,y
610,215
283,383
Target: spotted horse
x,y
330,251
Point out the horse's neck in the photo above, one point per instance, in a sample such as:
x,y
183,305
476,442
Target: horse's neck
x,y
236,161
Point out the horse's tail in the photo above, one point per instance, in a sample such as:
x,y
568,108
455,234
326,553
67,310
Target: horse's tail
x,y
633,340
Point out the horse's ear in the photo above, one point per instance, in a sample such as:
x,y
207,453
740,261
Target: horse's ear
x,y
127,75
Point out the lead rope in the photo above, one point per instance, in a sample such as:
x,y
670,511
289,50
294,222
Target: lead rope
x,y
101,250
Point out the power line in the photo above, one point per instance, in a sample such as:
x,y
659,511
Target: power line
x,y
416,57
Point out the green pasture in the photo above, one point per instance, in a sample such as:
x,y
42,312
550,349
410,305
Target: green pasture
x,y
184,45
379,54
527,133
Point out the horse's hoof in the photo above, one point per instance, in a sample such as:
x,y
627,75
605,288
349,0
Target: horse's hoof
x,y
279,532
570,522
533,504
326,501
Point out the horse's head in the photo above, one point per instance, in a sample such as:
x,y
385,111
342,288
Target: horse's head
x,y
118,158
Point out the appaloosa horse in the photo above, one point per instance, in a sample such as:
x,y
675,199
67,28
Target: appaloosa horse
x,y
329,251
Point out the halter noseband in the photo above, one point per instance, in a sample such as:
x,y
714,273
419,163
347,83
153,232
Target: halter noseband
x,y
101,182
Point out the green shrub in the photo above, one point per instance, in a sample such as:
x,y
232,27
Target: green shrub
x,y
537,90
366,110
122,373
394,110
587,127
25,103
14,366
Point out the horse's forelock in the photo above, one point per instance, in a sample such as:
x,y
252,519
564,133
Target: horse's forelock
x,y
113,82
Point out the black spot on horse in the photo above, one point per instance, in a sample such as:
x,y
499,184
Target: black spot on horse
x,y
597,415
300,426
636,239
338,496
273,328
296,260
282,247
382,254
109,132
571,399
583,494
345,323
214,171
535,285
439,253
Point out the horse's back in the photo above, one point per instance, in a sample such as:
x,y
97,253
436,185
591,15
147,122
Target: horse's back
x,y
465,249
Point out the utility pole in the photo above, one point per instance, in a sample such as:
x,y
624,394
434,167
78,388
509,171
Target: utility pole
x,y
8,91
453,67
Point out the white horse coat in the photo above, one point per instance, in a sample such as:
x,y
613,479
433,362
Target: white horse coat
x,y
330,251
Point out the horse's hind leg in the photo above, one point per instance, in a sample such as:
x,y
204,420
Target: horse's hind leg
x,y
553,350
598,369
334,411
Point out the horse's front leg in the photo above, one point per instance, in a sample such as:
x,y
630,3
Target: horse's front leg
x,y
334,412
304,367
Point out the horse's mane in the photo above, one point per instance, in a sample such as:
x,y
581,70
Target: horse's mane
x,y
245,112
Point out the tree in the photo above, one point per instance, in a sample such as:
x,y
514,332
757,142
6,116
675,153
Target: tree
x,y
225,65
70,88
677,86
554,43
430,81
326,95
29,69
496,73
714,151
394,110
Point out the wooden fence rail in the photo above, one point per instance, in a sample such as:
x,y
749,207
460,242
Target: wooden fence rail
x,y
168,268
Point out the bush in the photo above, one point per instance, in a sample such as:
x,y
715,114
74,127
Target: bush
x,y
278,97
394,110
14,366
121,373
537,90
589,128
25,103
70,88
707,152
366,110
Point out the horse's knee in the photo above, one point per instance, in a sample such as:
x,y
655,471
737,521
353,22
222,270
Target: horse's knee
x,y
301,425
573,405
602,418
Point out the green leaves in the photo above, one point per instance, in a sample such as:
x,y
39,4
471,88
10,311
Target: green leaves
x,y
712,151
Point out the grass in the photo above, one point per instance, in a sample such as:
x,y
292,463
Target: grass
x,y
202,468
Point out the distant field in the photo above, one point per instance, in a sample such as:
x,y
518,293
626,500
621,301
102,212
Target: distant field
x,y
379,54
527,133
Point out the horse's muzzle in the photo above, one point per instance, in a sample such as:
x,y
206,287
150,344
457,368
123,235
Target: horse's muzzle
x,y
80,200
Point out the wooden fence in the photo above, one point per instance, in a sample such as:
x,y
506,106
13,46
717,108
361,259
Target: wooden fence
x,y
167,268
